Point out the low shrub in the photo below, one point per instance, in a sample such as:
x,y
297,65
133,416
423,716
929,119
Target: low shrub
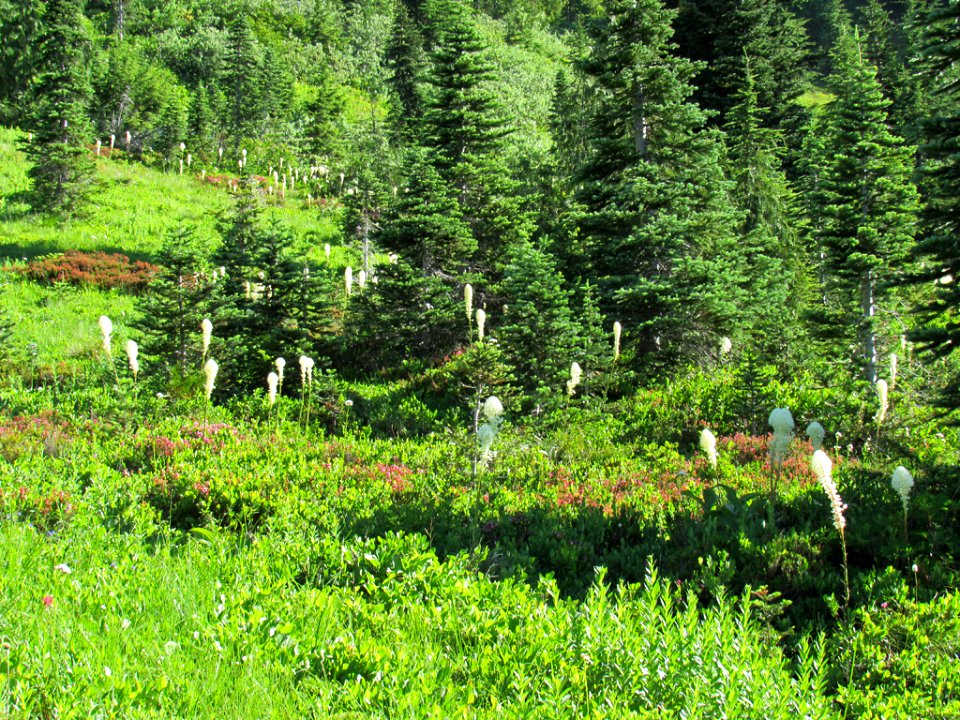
x,y
97,269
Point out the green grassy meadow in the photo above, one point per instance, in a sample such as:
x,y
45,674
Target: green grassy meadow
x,y
342,554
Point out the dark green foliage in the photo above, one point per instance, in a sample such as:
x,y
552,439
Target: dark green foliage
x,y
463,128
269,303
657,233
244,80
132,93
939,246
869,205
18,27
406,316
59,97
891,44
426,225
406,59
321,133
181,296
537,334
776,269
724,33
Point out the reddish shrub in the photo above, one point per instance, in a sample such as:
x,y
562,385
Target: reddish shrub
x,y
99,269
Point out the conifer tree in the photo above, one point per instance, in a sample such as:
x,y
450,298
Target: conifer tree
x,y
658,230
180,297
776,260
406,316
324,111
537,334
464,128
243,78
405,59
939,247
62,167
870,201
426,224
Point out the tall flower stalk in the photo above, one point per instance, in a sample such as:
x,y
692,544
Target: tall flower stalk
x,y
883,392
708,443
106,335
492,412
206,328
280,364
210,369
902,483
306,387
617,333
133,358
823,469
468,306
481,324
781,420
575,375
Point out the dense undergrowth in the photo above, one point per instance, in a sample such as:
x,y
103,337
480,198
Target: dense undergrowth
x,y
161,557
337,554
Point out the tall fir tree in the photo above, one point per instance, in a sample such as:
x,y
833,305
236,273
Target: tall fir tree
x,y
426,225
776,277
62,168
939,246
406,60
324,111
658,228
459,213
464,128
243,78
870,202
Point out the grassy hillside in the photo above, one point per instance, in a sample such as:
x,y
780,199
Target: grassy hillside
x,y
131,210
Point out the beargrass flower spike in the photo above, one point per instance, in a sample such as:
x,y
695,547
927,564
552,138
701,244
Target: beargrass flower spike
x,y
617,332
210,369
492,408
273,380
575,374
206,327
781,420
348,280
882,396
133,352
468,300
902,483
106,330
816,433
823,469
708,443
481,324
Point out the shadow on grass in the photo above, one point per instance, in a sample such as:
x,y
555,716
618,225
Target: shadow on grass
x,y
792,567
